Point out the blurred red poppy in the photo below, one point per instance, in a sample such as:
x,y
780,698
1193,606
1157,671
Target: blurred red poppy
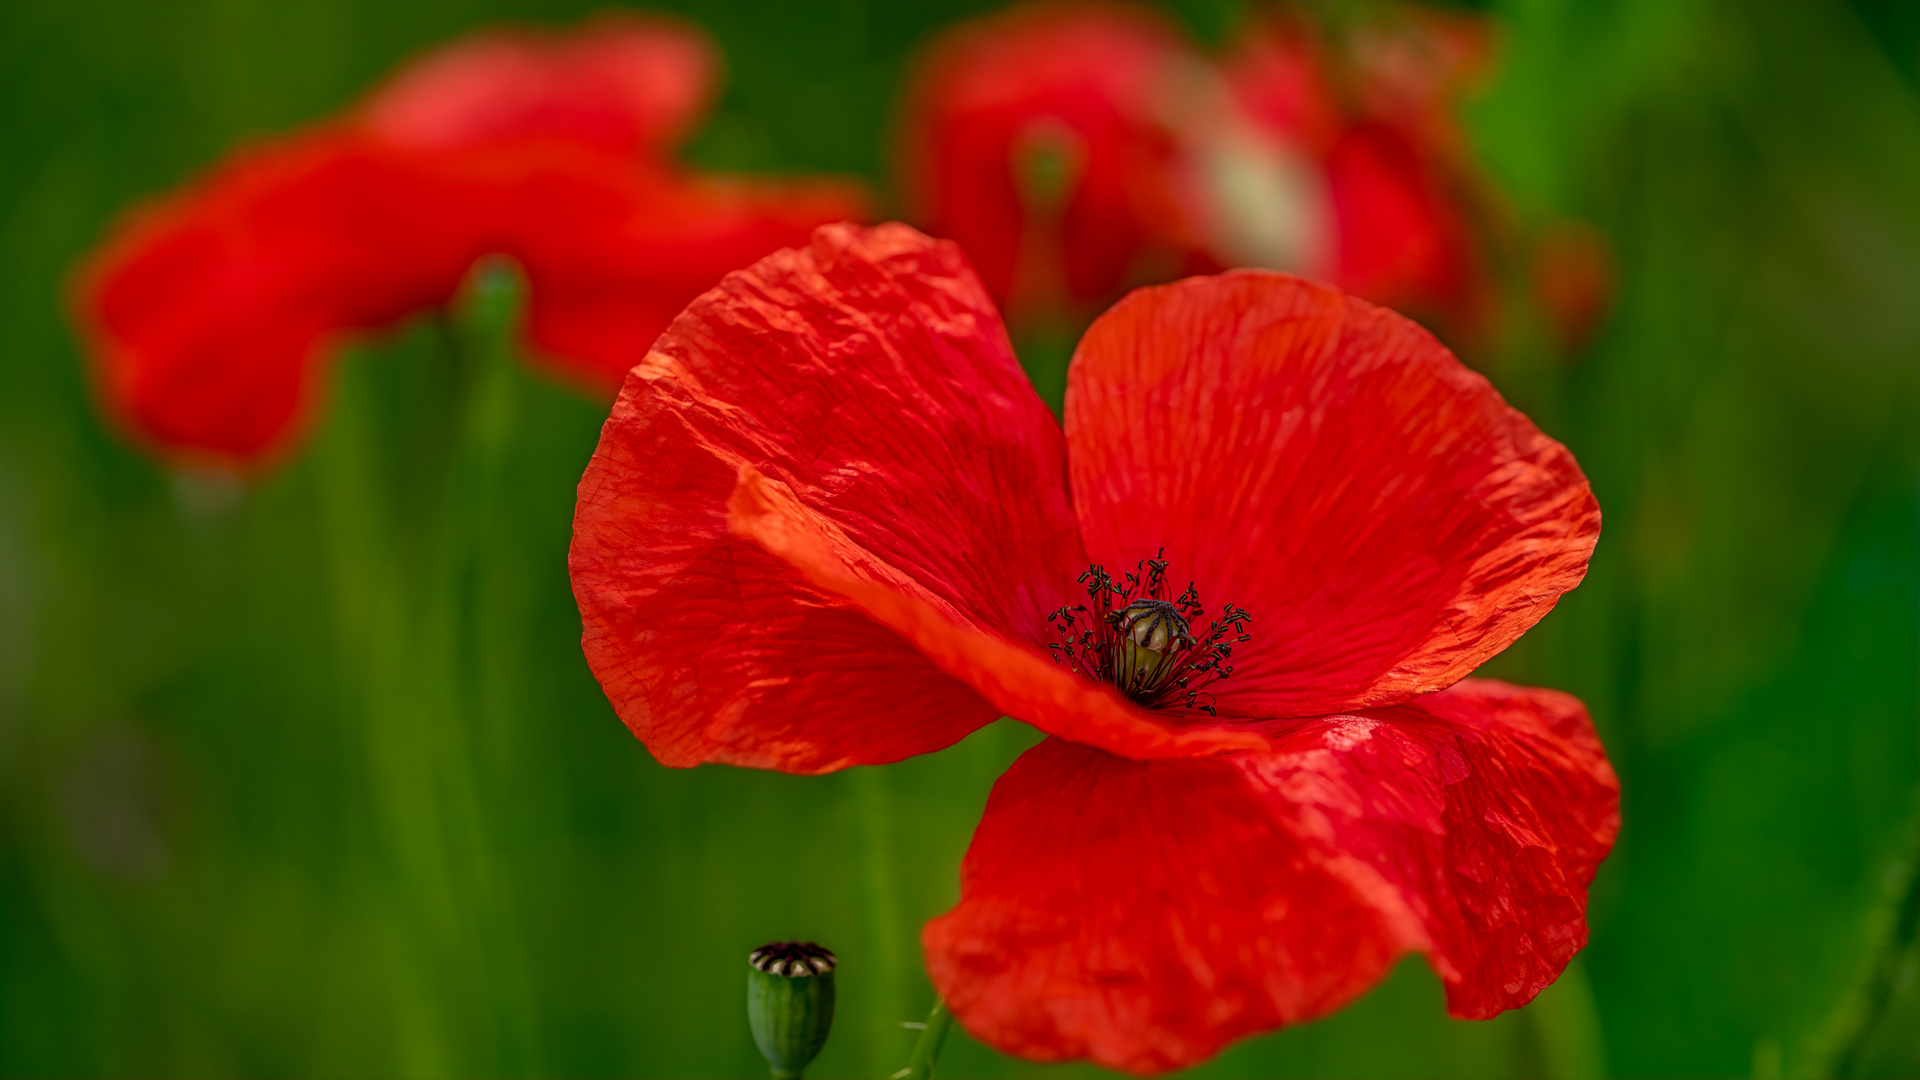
x,y
1046,140
1075,150
1373,102
210,310
830,523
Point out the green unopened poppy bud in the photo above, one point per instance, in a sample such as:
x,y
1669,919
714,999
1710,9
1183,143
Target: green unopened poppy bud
x,y
790,1003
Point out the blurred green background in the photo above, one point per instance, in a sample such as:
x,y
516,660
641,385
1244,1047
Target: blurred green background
x,y
309,778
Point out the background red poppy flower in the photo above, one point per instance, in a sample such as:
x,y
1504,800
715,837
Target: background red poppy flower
x,y
827,522
625,85
1047,141
1328,153
209,310
1372,101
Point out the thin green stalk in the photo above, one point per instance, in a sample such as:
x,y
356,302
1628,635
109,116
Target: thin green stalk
x,y
374,632
481,598
884,978
405,585
1880,981
926,1051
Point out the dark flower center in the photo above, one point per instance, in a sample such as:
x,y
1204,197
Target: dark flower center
x,y
1129,634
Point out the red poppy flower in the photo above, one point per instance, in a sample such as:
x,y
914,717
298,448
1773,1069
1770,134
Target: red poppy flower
x,y
829,523
1333,159
1046,141
623,85
209,310
1375,107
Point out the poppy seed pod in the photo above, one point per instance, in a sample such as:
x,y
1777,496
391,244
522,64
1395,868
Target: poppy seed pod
x,y
1153,624
790,1003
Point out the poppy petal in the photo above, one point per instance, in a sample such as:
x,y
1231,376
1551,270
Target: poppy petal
x,y
1532,807
1387,519
613,252
1018,680
869,373
714,652
620,84
208,310
1144,914
1404,239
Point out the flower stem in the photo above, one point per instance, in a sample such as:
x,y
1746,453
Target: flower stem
x,y
883,979
927,1050
1880,982
415,577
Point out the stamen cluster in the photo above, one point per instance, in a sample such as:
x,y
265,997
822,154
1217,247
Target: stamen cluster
x,y
1131,635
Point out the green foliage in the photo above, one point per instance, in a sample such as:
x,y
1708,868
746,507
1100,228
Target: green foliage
x,y
307,776
1747,636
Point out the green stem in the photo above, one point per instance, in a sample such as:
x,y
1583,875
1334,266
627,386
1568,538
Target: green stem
x,y
374,627
884,979
463,595
927,1050
411,584
1880,981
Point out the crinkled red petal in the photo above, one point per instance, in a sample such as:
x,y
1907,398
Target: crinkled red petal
x,y
869,374
621,84
1387,519
1017,679
1145,914
1531,808
713,651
